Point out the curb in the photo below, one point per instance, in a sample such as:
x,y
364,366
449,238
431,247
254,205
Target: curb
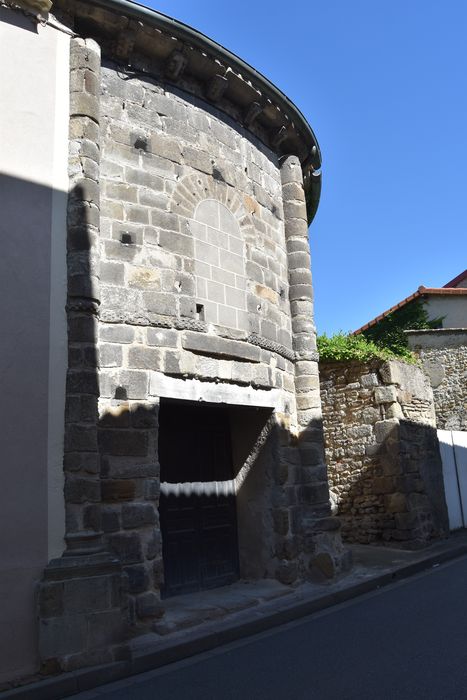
x,y
67,684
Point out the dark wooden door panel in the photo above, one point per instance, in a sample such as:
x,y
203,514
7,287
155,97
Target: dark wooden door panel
x,y
199,529
182,568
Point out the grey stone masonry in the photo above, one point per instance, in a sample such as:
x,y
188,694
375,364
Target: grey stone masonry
x,y
128,438
82,597
443,353
382,452
81,608
189,281
311,522
300,293
196,287
192,244
82,464
214,277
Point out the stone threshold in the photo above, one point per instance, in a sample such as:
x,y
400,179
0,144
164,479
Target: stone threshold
x,y
193,609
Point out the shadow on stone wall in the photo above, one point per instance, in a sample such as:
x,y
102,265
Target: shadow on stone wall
x,y
128,439
398,498
107,585
383,453
82,597
304,482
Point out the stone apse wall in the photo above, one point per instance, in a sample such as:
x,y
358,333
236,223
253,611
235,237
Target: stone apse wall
x,y
188,279
382,453
443,353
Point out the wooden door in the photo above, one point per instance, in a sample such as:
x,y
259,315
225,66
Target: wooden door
x,y
197,504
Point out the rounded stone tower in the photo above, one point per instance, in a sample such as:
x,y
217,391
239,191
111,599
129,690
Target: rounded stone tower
x,y
193,441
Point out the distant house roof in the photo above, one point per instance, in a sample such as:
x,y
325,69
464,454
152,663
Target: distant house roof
x,y
457,280
449,289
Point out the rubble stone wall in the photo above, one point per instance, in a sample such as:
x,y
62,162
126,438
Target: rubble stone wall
x,y
382,452
443,353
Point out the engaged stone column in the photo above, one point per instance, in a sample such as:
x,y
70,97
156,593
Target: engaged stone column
x,y
81,460
311,521
301,296
82,600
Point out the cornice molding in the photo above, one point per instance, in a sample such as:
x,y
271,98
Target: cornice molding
x,y
146,42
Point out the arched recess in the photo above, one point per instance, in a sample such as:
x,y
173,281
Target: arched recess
x,y
219,223
219,265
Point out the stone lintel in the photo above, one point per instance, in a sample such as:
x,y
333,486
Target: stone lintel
x,y
220,347
163,386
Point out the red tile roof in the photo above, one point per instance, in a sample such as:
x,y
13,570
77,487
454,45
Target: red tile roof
x,y
449,289
456,280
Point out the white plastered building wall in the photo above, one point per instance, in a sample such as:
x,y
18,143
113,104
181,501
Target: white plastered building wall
x,y
453,309
33,348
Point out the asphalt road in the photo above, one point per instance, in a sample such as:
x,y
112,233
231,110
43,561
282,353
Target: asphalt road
x,y
407,641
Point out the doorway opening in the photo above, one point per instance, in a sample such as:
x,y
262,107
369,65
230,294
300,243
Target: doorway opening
x,y
197,507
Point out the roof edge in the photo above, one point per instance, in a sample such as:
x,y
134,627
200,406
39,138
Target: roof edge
x,y
421,292
311,162
454,282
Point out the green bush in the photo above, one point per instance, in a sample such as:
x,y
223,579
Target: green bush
x,y
389,332
343,347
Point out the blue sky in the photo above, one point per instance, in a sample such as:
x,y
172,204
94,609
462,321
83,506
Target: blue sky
x,y
384,86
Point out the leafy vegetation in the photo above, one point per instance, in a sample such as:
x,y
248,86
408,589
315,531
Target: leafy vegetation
x,y
389,332
343,347
385,340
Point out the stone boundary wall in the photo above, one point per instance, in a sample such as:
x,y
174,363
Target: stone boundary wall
x,y
443,353
382,453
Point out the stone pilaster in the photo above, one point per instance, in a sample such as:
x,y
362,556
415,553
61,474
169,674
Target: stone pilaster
x,y
82,597
301,295
311,521
81,462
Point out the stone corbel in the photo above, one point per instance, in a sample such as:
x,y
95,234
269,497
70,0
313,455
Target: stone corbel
x,y
252,113
175,65
278,138
216,87
125,41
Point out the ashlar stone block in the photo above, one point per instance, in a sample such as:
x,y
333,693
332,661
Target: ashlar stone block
x,y
385,394
386,429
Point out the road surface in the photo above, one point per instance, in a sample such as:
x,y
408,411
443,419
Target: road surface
x,y
404,642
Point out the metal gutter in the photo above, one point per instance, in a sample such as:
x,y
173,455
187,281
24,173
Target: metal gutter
x,y
185,32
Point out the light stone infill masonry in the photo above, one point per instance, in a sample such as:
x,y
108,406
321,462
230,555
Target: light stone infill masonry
x,y
169,191
219,266
167,245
